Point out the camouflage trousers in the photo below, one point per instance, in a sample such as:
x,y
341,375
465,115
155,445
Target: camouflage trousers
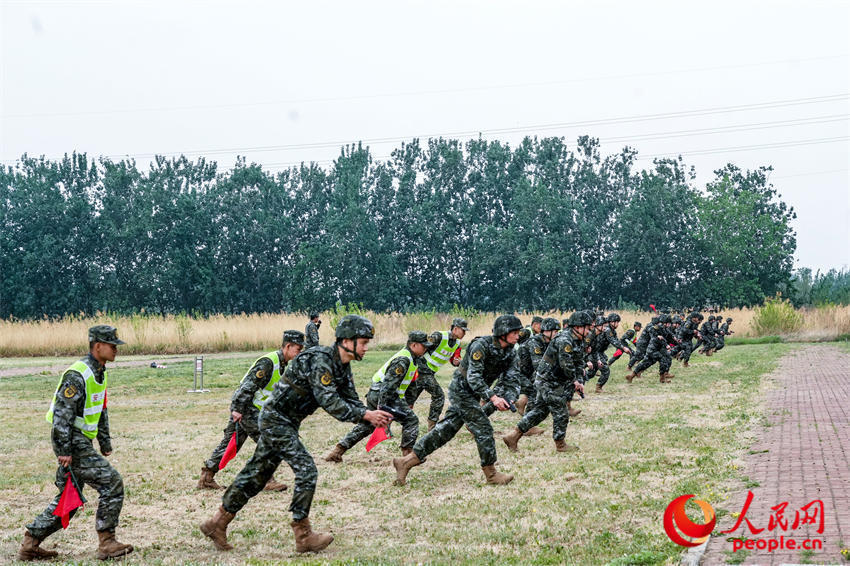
x,y
640,353
719,343
427,382
90,468
550,399
410,424
661,355
686,348
600,363
248,427
465,409
526,386
278,442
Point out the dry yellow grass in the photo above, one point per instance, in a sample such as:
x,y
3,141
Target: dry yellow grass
x,y
220,333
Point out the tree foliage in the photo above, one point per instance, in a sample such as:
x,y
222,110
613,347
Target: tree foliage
x,y
440,223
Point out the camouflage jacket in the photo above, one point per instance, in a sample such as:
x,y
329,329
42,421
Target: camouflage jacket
x,y
629,337
311,332
483,363
69,403
564,360
608,337
659,336
315,378
257,378
687,331
529,355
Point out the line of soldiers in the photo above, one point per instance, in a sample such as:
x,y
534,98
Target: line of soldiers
x,y
535,371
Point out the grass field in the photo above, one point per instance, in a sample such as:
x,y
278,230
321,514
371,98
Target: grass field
x,y
641,446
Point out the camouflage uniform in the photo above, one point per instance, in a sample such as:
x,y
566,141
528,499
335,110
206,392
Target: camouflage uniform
x,y
629,340
722,332
686,335
608,337
316,378
642,343
427,381
482,365
561,366
529,354
385,393
88,466
312,333
656,351
242,402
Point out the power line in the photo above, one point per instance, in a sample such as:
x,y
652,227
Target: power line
x,y
417,93
748,147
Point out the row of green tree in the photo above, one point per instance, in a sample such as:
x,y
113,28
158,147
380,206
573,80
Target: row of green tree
x,y
821,288
481,224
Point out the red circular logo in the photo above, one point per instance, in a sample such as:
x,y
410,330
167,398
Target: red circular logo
x,y
675,520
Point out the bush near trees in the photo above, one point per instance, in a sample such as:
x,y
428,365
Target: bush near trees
x,y
482,224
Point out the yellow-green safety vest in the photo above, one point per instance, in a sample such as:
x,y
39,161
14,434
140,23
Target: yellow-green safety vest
x,y
408,377
262,395
441,354
95,396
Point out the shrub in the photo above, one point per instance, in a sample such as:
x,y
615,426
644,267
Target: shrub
x,y
776,316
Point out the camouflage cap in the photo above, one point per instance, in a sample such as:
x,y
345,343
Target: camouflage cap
x,y
728,320
460,323
104,333
536,319
419,337
293,337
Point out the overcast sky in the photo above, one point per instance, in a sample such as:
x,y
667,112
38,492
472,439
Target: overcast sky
x,y
752,83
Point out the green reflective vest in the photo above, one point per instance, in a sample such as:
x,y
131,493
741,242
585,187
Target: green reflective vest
x,y
408,377
95,396
441,354
262,395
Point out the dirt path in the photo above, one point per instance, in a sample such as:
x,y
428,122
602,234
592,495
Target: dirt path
x,y
58,368
803,455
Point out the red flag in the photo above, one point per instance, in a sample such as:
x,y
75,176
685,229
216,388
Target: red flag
x,y
230,452
652,307
456,356
378,436
415,376
69,501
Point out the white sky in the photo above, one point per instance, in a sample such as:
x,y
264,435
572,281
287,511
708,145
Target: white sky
x,y
284,82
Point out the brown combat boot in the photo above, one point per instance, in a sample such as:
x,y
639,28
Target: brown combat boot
x,y
572,412
685,364
403,465
431,425
562,446
512,438
630,376
207,480
216,528
598,388
306,540
496,478
335,455
521,403
534,431
31,551
668,376
111,548
274,485
661,378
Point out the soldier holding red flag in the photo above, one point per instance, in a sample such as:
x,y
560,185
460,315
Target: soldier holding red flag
x,y
78,415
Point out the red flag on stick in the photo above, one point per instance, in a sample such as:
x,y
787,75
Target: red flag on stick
x,y
69,500
456,356
230,451
653,308
378,436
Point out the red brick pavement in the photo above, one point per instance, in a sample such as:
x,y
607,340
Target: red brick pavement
x,y
804,455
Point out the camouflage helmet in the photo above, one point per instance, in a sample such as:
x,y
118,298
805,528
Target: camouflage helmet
x,y
293,337
354,326
506,323
536,319
461,323
614,317
694,314
524,334
729,320
665,319
701,316
419,337
600,320
550,323
106,334
638,324
677,320
580,318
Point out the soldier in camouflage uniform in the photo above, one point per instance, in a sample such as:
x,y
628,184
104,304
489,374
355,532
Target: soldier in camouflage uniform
x,y
246,403
629,338
536,325
559,374
442,351
529,355
722,333
319,377
608,337
642,343
78,414
706,336
312,331
686,335
388,387
657,350
486,360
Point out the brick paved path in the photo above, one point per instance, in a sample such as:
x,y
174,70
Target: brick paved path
x,y
804,455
